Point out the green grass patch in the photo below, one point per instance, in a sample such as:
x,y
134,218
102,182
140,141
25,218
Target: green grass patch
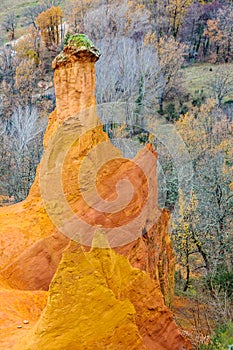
x,y
18,7
197,79
80,40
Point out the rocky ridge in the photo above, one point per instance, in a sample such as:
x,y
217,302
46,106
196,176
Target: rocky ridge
x,y
32,246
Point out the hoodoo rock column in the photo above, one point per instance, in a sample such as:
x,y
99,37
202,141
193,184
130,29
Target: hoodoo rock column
x,y
98,298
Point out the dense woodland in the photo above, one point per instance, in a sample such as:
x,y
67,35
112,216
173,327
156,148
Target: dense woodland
x,y
165,59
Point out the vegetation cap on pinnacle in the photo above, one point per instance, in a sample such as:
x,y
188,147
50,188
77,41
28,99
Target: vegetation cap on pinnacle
x,y
79,40
76,45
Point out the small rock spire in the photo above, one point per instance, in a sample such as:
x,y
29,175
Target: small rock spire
x,y
74,76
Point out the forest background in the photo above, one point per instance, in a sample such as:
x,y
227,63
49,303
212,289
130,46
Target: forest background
x,y
165,59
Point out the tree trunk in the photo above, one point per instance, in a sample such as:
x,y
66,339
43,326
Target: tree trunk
x,y
161,100
203,254
187,282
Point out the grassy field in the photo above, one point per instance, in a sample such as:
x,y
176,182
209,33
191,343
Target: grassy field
x,y
18,7
198,77
7,5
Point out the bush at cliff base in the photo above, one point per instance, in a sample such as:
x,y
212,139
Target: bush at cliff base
x,y
221,340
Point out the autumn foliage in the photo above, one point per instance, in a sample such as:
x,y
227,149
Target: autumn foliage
x,y
50,23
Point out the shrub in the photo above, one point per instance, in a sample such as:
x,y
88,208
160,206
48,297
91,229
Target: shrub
x,y
221,281
221,340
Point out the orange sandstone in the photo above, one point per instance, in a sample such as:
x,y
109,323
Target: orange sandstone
x,y
98,301
32,246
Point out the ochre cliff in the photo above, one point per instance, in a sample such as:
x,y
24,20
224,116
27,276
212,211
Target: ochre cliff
x,y
98,301
32,245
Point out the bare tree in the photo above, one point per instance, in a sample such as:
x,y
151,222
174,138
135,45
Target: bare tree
x,y
7,71
111,20
32,12
225,15
106,21
9,24
222,84
208,137
127,72
21,150
171,57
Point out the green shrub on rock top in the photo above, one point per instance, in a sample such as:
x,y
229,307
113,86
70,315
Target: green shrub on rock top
x,y
79,40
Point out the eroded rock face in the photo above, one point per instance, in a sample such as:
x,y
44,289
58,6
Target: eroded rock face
x,y
17,306
40,260
32,246
98,301
74,82
25,223
153,253
74,78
